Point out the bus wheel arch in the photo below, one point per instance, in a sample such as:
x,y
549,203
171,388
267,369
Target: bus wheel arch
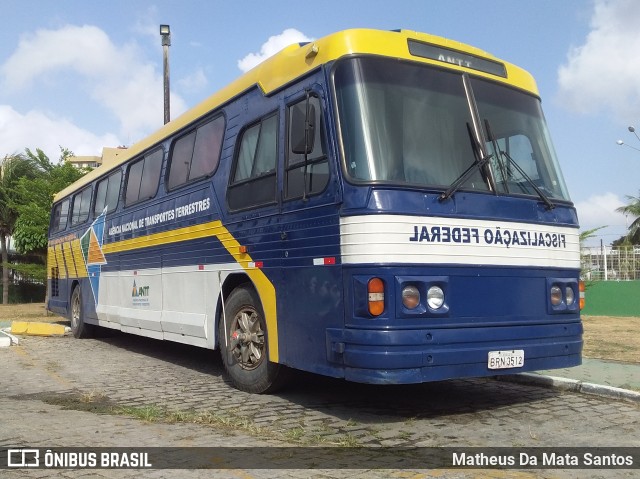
x,y
79,327
230,283
242,337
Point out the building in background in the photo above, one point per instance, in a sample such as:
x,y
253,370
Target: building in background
x,y
108,155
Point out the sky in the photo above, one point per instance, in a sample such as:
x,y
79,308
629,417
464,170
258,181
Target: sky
x,y
85,74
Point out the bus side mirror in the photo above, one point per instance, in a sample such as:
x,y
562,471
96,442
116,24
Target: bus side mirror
x,y
302,126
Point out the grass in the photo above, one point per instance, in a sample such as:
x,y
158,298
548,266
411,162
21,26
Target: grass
x,y
28,312
611,337
149,413
92,397
295,434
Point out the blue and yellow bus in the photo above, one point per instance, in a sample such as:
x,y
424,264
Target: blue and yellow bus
x,y
380,206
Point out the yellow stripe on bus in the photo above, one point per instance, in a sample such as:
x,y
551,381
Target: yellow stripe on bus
x,y
68,259
60,261
81,268
265,288
51,262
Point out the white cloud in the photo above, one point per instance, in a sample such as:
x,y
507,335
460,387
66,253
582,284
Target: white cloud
x,y
86,49
194,82
602,74
39,130
118,78
600,210
148,25
272,46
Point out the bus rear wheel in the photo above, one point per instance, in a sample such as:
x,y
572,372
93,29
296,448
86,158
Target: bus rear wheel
x,y
79,328
244,345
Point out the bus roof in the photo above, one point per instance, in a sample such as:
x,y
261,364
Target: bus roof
x,y
296,60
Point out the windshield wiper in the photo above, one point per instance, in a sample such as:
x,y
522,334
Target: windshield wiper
x,y
513,163
479,162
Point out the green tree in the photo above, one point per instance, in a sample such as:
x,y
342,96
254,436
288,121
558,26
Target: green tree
x,y
632,209
28,183
34,199
12,168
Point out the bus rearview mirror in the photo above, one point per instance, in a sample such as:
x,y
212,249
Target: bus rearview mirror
x,y
301,125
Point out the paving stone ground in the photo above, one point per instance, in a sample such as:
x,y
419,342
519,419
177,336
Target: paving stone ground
x,y
39,375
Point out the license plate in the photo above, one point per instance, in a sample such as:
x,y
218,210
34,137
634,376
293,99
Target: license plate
x,y
506,359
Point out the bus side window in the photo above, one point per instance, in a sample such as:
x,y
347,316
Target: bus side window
x,y
253,176
181,155
196,154
60,216
107,193
143,178
207,148
317,168
81,206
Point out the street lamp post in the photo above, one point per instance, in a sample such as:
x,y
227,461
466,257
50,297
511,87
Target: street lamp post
x,y
621,143
165,34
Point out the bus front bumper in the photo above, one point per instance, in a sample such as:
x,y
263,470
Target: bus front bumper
x,y
421,355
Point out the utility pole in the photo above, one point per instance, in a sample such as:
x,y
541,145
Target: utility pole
x,y
165,34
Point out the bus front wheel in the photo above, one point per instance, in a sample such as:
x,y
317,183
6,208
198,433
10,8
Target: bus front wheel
x,y
243,344
79,328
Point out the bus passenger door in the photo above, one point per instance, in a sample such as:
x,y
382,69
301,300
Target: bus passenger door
x,y
311,298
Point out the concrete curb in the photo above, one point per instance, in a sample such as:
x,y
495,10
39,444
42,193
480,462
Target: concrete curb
x,y
572,385
37,329
7,339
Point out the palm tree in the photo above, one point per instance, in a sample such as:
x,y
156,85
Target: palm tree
x,y
12,167
632,209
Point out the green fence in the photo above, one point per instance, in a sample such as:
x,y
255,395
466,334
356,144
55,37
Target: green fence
x,y
612,298
25,293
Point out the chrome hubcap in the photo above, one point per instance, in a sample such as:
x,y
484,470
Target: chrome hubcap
x,y
246,341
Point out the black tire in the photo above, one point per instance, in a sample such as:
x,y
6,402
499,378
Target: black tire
x,y
79,328
244,346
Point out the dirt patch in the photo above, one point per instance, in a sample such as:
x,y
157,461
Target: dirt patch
x,y
612,337
89,402
28,312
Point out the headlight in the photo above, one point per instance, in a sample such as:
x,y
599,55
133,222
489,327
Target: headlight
x,y
435,297
556,295
410,297
569,295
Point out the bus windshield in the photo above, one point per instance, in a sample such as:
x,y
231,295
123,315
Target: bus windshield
x,y
408,124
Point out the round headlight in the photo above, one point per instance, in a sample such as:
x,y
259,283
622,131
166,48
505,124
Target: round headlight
x,y
435,297
556,295
569,295
410,297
